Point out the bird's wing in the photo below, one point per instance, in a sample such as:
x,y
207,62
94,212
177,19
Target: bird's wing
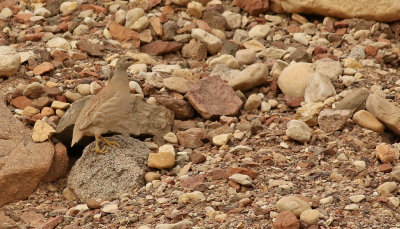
x,y
95,106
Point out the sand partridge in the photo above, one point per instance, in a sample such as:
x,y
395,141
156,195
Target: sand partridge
x,y
104,111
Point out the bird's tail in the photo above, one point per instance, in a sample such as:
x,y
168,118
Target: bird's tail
x,y
76,136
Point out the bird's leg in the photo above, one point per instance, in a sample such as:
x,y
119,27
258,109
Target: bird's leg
x,y
97,148
108,142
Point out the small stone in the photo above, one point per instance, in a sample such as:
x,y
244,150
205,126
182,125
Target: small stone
x,y
357,198
246,56
253,102
298,130
233,20
191,138
365,119
221,139
68,8
293,79
111,208
58,42
150,176
319,87
92,49
351,63
385,111
47,111
9,61
301,38
252,76
195,50
43,68
330,120
293,204
310,217
387,188
42,131
241,179
83,89
21,102
212,43
360,165
161,47
354,101
327,200
352,207
309,112
192,197
195,9
225,59
259,31
265,107
30,111
254,7
68,194
171,138
286,220
60,105
6,13
182,224
177,84
197,158
385,153
161,160
394,201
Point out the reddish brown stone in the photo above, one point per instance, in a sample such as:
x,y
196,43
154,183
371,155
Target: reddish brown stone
x,y
197,158
325,55
79,56
237,170
293,28
63,26
59,167
47,111
341,31
218,174
320,50
94,7
212,97
293,101
124,34
161,47
21,102
34,36
234,185
181,108
60,55
254,7
371,50
192,182
286,220
43,68
23,17
41,102
386,168
191,138
195,50
91,48
341,24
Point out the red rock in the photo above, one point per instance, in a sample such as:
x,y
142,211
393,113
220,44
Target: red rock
x,y
386,168
320,50
212,97
34,36
60,55
191,138
254,7
192,182
237,170
94,7
59,167
197,158
79,56
153,3
21,102
218,174
43,68
52,222
293,28
341,31
234,185
63,26
371,50
23,17
124,34
286,220
325,55
161,47
32,218
47,111
181,108
341,24
91,48
293,101
87,73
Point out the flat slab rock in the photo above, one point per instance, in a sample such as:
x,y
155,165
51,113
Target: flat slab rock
x,y
385,111
23,163
111,174
211,97
144,119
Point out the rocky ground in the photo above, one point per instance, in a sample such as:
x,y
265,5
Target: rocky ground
x,y
241,117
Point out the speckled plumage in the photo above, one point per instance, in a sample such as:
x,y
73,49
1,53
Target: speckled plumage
x,y
105,110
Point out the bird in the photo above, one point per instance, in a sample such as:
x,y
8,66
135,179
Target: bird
x,y
105,110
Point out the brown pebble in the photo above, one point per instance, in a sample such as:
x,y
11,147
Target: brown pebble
x,y
197,158
93,204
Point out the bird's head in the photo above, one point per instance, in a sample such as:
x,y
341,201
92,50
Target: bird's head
x,y
124,62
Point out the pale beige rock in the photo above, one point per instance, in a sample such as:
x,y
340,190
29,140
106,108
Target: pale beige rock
x,y
42,131
177,84
252,76
221,139
293,80
171,137
381,10
293,204
192,197
165,158
309,112
228,60
367,120
60,105
150,176
385,111
385,153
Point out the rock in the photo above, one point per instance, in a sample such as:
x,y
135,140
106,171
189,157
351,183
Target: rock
x,y
171,138
60,105
58,42
221,139
6,13
359,165
385,111
255,7
293,79
330,120
124,34
83,89
195,50
298,130
110,174
43,68
253,102
177,84
293,204
59,166
214,19
377,11
180,2
225,59
309,112
357,198
68,8
331,68
150,176
386,188
365,119
30,111
21,102
259,31
202,97
136,19
23,162
195,9
197,158
354,101
169,30
351,63
91,48
301,38
179,225
144,119
246,56
233,20
9,61
310,217
191,197
252,76
319,88
161,47
181,108
42,131
241,179
111,208
286,220
165,158
385,153
191,138
212,43
33,90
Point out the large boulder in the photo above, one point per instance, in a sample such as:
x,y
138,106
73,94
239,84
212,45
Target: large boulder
x,y
380,10
109,175
148,119
23,163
